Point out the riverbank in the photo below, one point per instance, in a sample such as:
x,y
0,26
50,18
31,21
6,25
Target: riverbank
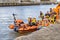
x,y
46,33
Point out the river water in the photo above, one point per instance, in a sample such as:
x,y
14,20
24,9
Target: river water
x,y
22,12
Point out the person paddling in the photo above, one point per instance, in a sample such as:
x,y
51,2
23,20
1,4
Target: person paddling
x,y
15,26
41,15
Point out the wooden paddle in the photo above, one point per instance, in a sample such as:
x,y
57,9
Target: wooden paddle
x,y
14,18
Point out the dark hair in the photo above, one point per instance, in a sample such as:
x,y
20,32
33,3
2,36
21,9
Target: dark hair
x,y
41,13
50,9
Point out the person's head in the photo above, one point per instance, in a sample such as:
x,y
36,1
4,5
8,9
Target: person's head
x,y
41,13
29,19
50,9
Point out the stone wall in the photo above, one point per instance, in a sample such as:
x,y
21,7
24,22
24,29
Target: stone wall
x,y
9,1
48,1
25,0
18,1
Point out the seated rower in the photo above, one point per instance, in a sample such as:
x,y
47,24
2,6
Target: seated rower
x,y
41,15
52,19
45,22
47,15
30,21
54,15
34,21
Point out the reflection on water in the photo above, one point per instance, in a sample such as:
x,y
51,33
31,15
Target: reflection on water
x,y
22,12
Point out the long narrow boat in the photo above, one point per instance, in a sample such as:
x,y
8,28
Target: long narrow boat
x,y
25,28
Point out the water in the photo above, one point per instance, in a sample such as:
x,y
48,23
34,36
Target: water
x,y
22,12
